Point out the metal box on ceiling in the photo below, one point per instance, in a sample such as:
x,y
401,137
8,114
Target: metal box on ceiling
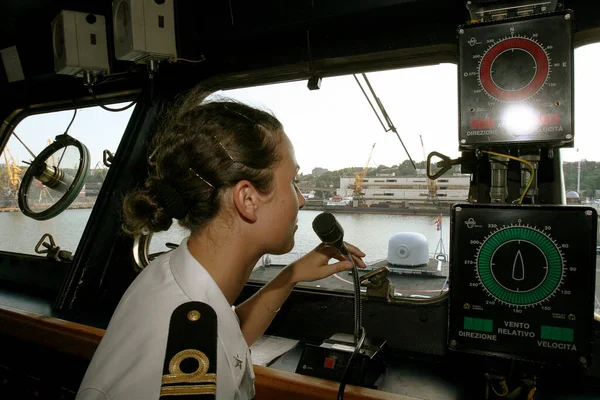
x,y
144,29
79,43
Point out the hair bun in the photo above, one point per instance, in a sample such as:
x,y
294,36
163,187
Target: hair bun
x,y
170,199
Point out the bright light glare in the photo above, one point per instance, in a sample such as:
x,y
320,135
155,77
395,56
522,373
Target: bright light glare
x,y
520,120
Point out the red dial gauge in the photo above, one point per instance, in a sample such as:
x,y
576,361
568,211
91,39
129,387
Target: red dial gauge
x,y
514,69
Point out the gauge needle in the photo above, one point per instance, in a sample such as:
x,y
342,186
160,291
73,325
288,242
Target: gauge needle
x,y
518,272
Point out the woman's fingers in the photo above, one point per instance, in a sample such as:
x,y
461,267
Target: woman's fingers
x,y
337,267
333,252
359,262
356,254
354,250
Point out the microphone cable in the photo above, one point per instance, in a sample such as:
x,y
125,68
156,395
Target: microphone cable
x,y
340,395
357,302
359,330
331,232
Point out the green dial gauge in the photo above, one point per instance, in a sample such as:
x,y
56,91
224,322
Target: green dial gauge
x,y
520,265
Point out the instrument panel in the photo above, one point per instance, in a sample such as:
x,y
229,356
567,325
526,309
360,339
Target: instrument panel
x,y
522,281
516,81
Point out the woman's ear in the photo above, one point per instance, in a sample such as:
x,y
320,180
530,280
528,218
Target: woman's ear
x,y
246,200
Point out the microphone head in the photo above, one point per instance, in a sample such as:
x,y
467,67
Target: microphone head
x,y
328,229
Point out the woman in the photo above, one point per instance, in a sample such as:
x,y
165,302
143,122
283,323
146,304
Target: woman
x,y
227,172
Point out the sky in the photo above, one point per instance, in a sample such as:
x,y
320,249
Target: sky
x,y
334,127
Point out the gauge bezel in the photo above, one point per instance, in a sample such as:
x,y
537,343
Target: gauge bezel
x,y
529,45
541,240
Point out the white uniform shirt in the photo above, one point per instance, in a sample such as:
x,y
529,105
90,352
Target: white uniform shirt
x,y
128,363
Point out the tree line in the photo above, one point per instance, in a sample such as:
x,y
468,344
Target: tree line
x,y
331,179
589,180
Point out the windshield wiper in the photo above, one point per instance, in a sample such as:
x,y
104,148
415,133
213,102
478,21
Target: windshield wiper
x,y
386,116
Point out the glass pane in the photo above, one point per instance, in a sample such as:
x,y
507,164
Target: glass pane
x,y
67,162
581,164
98,130
352,167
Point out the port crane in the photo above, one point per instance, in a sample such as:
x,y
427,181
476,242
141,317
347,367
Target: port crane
x,y
431,185
359,178
14,172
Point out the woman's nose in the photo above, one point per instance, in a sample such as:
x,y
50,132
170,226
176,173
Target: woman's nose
x,y
301,199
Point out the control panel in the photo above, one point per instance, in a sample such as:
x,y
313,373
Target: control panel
x,y
522,281
516,81
330,359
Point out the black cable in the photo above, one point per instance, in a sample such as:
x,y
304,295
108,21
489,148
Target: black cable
x,y
106,108
310,64
358,339
357,302
71,123
340,395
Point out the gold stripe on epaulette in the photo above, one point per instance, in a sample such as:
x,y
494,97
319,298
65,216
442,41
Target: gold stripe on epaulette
x,y
188,390
176,375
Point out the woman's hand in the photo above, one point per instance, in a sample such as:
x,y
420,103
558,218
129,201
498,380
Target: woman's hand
x,y
314,265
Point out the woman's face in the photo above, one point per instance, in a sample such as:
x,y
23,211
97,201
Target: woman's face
x,y
280,212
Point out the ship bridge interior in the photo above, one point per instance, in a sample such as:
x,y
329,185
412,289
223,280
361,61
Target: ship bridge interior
x,y
489,297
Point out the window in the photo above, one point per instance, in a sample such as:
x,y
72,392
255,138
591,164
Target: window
x,y
581,188
98,130
333,129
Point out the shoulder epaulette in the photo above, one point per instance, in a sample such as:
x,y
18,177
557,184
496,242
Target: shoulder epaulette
x,y
190,367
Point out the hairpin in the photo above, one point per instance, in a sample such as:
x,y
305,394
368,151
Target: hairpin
x,y
203,180
224,149
241,115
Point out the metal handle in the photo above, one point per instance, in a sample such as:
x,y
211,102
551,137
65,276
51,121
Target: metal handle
x,y
375,278
51,246
446,163
107,157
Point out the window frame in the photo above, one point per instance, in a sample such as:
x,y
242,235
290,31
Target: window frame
x,y
42,274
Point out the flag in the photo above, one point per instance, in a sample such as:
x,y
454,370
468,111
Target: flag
x,y
438,223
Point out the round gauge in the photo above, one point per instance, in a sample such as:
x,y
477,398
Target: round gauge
x,y
519,265
514,69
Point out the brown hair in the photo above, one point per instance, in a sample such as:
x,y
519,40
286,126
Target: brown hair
x,y
202,148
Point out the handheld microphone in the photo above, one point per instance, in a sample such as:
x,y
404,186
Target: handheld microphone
x,y
330,231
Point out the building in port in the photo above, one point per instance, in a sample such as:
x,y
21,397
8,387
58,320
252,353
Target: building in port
x,y
392,191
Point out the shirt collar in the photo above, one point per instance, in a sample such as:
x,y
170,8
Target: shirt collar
x,y
198,285
196,282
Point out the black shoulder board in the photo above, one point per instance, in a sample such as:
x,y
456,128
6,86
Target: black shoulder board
x,y
190,368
